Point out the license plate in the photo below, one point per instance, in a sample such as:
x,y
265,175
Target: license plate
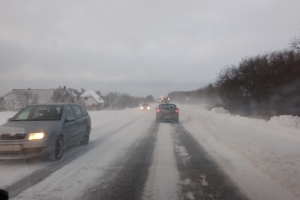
x,y
10,147
168,117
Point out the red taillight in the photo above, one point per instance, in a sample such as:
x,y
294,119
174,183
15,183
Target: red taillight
x,y
157,110
176,110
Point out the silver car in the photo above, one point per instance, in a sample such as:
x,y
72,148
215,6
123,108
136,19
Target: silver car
x,y
44,130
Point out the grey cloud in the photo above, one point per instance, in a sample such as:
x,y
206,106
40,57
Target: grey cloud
x,y
146,45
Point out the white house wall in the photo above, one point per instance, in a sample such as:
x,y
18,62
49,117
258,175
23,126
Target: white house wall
x,y
90,101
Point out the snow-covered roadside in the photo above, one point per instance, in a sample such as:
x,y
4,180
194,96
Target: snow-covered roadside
x,y
262,157
102,122
5,115
287,121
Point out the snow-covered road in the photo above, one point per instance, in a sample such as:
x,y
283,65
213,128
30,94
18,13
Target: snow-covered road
x,y
208,155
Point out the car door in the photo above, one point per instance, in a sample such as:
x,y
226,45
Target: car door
x,y
70,128
81,123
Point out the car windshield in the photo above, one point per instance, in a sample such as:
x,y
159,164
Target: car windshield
x,y
150,99
167,106
39,113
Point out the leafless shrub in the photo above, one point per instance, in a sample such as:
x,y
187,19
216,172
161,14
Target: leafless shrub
x,y
267,83
25,98
62,95
295,43
10,105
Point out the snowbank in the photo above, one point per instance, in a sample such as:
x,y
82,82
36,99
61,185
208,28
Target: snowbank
x,y
287,121
282,120
220,110
262,157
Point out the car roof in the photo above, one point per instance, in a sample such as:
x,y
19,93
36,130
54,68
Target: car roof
x,y
55,104
167,104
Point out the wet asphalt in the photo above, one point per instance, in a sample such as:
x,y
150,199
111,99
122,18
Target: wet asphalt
x,y
204,177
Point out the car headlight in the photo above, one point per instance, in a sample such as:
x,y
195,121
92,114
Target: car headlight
x,y
148,108
36,136
142,108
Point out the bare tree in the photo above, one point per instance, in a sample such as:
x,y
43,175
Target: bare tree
x,y
10,105
26,98
295,43
62,95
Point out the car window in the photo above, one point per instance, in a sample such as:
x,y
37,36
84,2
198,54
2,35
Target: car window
x,y
69,112
77,111
23,114
39,112
167,106
83,111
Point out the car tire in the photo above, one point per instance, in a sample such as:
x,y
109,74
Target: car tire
x,y
177,120
157,120
86,137
58,150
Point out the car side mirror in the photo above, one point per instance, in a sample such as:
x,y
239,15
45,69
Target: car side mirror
x,y
70,119
9,119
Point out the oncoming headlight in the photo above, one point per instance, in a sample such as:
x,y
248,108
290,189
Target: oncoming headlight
x,y
36,136
148,107
142,108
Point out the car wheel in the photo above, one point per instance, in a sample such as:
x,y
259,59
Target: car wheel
x,y
86,138
58,150
157,120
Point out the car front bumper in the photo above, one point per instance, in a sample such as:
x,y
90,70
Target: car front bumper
x,y
26,149
25,153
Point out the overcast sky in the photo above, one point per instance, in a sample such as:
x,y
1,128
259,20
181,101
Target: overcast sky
x,y
144,46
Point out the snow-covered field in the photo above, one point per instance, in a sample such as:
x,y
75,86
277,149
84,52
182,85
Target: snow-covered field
x,y
261,157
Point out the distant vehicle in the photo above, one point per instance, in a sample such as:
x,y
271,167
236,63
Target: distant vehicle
x,y
164,100
167,112
44,130
145,106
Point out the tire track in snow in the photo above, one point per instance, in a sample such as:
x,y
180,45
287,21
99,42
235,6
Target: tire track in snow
x,y
41,174
201,178
127,177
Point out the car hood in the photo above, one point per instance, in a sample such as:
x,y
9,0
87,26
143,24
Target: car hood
x,y
27,126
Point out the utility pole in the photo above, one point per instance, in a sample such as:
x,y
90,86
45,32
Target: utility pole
x,y
110,101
